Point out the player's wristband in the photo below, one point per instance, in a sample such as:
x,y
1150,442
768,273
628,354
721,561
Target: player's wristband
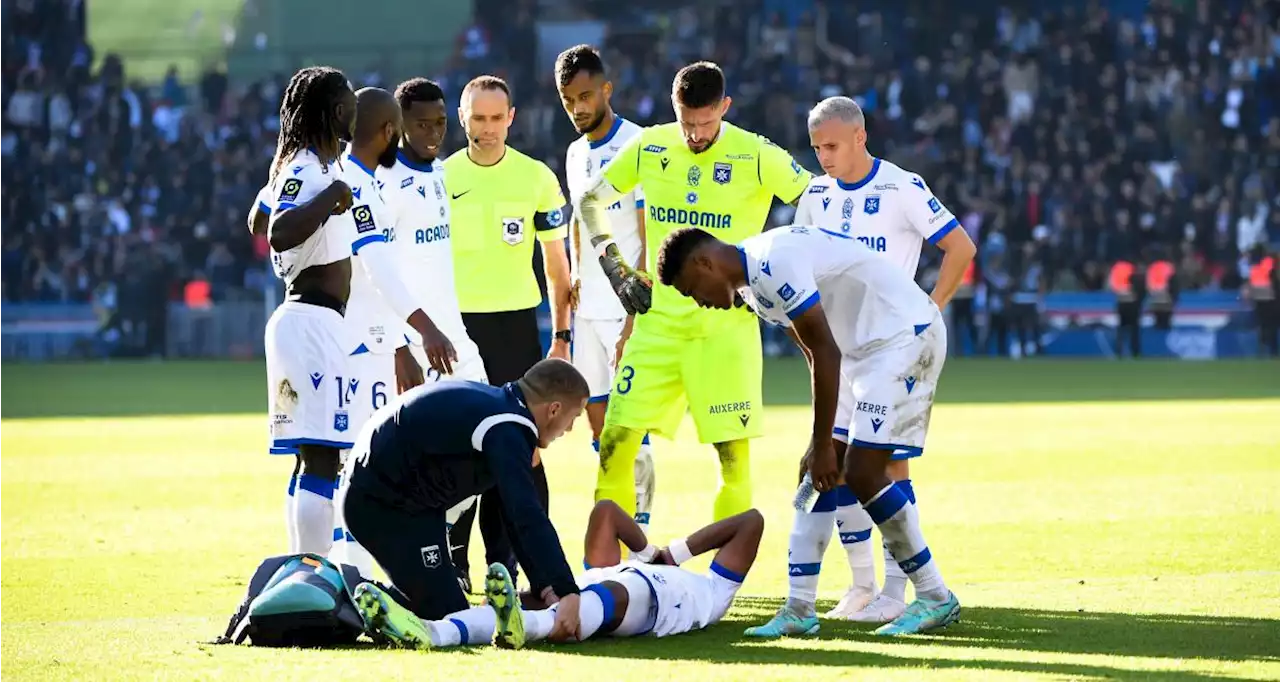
x,y
646,555
679,550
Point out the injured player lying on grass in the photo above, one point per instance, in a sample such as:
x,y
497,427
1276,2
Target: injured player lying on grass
x,y
619,599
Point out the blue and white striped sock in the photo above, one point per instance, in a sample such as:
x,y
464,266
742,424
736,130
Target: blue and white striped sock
x,y
809,537
854,528
312,516
895,580
895,515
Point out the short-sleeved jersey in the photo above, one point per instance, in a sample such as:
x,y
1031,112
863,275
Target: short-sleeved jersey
x,y
417,196
891,210
866,297
583,161
266,200
726,190
496,210
374,325
298,182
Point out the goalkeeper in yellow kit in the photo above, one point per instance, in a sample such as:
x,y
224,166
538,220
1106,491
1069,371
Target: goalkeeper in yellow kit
x,y
697,172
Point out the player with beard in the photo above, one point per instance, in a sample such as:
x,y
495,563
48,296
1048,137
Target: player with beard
x,y
601,325
306,338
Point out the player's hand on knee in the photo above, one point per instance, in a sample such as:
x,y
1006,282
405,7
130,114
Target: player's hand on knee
x,y
567,627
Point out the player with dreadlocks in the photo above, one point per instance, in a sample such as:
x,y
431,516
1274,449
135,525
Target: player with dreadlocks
x,y
306,341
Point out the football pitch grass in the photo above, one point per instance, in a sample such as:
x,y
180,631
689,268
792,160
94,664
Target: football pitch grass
x,y
1097,520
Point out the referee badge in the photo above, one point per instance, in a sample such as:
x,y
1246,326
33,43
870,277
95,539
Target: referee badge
x,y
513,230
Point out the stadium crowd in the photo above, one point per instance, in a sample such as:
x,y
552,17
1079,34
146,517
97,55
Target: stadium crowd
x,y
1065,139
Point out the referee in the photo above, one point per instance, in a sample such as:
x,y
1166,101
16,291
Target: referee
x,y
501,201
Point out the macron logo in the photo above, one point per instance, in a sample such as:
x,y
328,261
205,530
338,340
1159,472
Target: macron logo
x,y
876,424
316,378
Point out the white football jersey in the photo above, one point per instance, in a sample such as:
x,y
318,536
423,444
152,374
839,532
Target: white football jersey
x,y
266,200
891,210
372,322
420,219
866,298
298,182
583,162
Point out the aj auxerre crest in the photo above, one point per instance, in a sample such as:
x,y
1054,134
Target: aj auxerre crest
x,y
872,205
695,176
513,230
431,556
722,173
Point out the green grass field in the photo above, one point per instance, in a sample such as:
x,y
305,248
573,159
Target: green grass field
x,y
1098,520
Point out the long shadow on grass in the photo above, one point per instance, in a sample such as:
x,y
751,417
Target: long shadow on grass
x,y
1112,634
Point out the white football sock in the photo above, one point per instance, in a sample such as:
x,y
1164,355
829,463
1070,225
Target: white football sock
x,y
289,503
854,527
645,484
471,626
594,604
898,521
312,516
895,581
810,534
538,624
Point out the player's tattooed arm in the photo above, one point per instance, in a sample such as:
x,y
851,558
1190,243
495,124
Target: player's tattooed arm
x,y
633,289
291,226
824,368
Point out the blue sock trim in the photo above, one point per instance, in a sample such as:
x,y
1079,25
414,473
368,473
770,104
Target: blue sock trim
x,y
316,485
826,502
293,485
349,537
598,399
855,537
606,599
462,629
845,497
908,489
726,573
804,569
916,562
337,534
645,440
586,566
642,518
595,445
886,504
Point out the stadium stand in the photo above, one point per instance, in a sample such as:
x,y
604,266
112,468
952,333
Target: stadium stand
x,y
1067,136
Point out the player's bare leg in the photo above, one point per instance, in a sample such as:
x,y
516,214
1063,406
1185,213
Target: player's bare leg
x,y
311,516
734,496
893,512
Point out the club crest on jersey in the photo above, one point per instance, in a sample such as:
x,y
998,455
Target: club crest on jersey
x,y
341,421
654,149
695,176
691,198
513,230
846,210
826,201
291,188
722,173
363,216
407,182
871,205
431,556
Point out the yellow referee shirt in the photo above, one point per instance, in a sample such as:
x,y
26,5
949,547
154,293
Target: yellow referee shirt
x,y
496,211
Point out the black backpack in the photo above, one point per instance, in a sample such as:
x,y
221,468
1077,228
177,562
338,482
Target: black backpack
x,y
298,600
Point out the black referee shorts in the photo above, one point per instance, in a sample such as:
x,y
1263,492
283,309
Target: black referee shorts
x,y
413,549
509,342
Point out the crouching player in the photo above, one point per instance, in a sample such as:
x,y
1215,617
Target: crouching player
x,y
618,599
875,344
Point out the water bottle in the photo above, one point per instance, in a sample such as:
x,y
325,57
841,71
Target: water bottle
x,y
806,495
